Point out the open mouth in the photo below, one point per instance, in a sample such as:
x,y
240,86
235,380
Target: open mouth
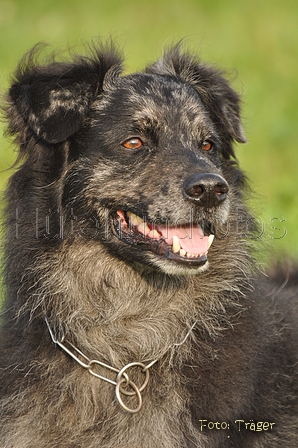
x,y
184,244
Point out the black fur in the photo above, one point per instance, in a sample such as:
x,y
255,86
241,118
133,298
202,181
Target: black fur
x,y
95,146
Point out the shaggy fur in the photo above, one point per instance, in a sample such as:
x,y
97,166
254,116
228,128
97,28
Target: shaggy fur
x,y
93,143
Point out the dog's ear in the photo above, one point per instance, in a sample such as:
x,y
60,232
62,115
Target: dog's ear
x,y
220,100
51,101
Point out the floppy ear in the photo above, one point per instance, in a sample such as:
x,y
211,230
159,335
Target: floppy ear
x,y
51,101
220,100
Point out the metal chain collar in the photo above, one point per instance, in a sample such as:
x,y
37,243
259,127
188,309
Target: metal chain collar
x,y
123,384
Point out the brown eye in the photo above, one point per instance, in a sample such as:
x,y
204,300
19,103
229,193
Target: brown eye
x,y
133,143
206,146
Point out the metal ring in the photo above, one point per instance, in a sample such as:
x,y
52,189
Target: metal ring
x,y
122,373
137,392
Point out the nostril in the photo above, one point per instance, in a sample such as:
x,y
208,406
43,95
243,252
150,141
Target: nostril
x,y
195,191
221,190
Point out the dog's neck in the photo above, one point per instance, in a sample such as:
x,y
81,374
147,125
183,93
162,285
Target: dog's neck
x,y
122,382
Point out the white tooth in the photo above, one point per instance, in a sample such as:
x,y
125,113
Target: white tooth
x,y
210,240
182,252
194,255
143,228
176,244
189,255
154,234
135,220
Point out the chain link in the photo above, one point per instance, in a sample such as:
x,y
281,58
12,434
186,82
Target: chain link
x,y
123,384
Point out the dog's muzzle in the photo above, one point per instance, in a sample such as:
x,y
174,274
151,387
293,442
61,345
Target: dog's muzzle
x,y
186,244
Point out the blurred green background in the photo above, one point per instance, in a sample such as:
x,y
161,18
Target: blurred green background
x,y
258,38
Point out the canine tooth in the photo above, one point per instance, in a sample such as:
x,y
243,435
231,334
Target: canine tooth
x,y
143,228
135,219
176,244
182,252
154,234
210,240
146,228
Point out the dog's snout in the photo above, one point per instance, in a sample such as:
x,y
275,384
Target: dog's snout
x,y
206,189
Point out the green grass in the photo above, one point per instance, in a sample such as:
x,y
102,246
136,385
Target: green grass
x,y
258,38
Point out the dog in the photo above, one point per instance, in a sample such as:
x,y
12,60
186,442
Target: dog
x,y
135,312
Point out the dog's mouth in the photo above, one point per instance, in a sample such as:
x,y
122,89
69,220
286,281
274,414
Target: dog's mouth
x,y
187,244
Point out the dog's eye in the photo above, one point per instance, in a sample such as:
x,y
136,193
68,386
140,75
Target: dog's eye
x,y
206,146
133,143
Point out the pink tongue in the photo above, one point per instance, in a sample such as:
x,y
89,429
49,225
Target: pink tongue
x,y
191,238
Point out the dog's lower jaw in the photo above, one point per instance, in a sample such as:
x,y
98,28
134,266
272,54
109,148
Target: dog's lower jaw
x,y
172,268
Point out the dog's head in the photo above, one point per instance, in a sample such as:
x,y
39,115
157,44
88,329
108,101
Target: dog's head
x,y
146,159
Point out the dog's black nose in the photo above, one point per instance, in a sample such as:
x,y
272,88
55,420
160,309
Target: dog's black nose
x,y
206,189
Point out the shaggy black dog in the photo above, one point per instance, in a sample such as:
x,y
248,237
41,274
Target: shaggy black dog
x,y
133,314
